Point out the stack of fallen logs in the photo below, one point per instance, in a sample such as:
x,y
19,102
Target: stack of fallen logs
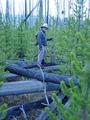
x,y
52,80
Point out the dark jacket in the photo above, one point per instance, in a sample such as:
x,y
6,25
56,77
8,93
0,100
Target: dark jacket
x,y
41,38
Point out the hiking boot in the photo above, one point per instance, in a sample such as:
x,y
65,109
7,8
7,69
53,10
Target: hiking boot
x,y
42,66
43,61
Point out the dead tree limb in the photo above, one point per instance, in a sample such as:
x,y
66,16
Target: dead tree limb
x,y
27,65
13,77
16,110
30,12
10,77
25,87
36,74
38,104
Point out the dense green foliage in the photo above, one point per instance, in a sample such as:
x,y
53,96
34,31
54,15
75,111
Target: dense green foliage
x,y
3,106
71,44
13,41
68,45
74,48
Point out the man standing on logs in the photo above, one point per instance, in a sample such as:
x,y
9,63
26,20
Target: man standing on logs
x,y
41,43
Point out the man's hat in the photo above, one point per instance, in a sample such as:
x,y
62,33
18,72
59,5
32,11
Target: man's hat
x,y
45,25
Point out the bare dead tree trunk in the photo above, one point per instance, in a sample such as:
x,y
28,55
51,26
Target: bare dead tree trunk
x,y
57,3
30,10
88,8
41,10
25,10
63,11
0,17
7,11
0,13
68,8
47,11
14,12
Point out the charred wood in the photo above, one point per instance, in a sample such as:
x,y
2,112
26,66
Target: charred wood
x,y
36,74
13,77
25,87
16,110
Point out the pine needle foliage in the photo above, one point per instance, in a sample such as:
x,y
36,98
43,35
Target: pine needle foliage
x,y
3,106
18,42
73,45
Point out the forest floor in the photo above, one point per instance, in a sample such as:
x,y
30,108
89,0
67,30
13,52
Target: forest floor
x,y
23,99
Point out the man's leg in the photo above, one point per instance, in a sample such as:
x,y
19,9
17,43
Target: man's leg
x,y
43,61
41,55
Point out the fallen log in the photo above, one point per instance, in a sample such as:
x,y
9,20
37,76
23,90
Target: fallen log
x,y
27,65
25,87
48,68
16,110
9,77
38,104
37,74
44,64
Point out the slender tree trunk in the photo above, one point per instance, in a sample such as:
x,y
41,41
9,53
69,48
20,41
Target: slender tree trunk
x,y
69,7
7,11
0,17
14,12
0,13
30,10
41,10
89,9
57,12
32,6
25,10
47,11
63,12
